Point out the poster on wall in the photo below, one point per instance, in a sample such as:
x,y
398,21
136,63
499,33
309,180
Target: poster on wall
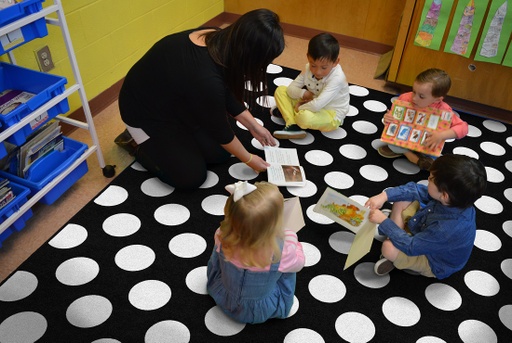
x,y
466,23
434,19
496,33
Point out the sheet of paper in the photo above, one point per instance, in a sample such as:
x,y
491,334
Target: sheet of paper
x,y
293,218
361,245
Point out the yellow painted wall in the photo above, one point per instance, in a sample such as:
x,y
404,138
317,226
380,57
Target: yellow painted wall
x,y
109,36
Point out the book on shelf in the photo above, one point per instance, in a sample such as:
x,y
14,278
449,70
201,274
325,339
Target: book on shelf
x,y
413,125
8,3
12,98
6,193
285,168
351,215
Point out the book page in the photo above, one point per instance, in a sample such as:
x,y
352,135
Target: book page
x,y
284,175
285,156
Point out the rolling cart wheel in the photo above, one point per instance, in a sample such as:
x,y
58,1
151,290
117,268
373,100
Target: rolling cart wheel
x,y
109,170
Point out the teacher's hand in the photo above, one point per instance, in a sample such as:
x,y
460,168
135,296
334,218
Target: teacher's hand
x,y
258,164
263,136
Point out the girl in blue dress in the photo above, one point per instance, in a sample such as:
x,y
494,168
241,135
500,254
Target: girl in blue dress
x,y
253,266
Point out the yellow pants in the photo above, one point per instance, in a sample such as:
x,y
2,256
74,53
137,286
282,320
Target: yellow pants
x,y
323,120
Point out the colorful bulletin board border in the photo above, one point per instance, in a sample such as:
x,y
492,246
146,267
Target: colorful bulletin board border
x,y
434,19
466,23
496,33
413,125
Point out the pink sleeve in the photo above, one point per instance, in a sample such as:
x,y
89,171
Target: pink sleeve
x,y
292,257
459,126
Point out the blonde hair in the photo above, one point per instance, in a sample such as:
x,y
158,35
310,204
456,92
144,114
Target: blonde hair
x,y
252,225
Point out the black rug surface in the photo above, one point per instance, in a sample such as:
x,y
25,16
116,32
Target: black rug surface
x,y
131,265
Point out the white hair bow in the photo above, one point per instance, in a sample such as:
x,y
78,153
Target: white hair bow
x,y
240,189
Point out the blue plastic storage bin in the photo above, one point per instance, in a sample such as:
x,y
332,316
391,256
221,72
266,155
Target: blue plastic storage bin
x,y
44,86
21,194
45,169
36,29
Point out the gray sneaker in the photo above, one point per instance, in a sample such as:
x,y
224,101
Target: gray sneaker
x,y
383,267
290,132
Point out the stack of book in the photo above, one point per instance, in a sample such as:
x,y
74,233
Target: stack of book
x,y
6,193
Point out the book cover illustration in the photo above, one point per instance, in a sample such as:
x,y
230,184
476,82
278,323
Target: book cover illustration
x,y
351,215
412,127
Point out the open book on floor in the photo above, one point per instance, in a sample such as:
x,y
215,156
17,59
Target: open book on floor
x,y
351,215
285,168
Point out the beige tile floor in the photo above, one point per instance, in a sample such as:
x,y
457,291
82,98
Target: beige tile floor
x,y
359,68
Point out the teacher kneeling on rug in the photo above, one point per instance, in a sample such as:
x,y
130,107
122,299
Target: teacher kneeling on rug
x,y
175,99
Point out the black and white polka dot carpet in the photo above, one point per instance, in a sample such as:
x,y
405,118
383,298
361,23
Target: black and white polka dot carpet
x,y
131,265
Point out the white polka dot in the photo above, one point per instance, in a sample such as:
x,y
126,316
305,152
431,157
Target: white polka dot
x,y
196,280
278,121
509,140
318,157
303,335
482,283
19,286
505,315
135,257
352,151
506,267
240,125
167,331
187,245
358,90
352,111
327,288
494,126
106,340
282,81
317,217
339,133
274,69
489,205
172,214
25,326
360,199
241,171
355,327
375,106
71,236
121,224
341,241
508,194
89,311
494,175
214,204
401,311
465,152
474,131
507,227
312,254
155,188
294,308
430,339
443,297
112,196
405,167
364,274
149,295
308,190
377,143
266,101
365,127
77,271
392,100
373,173
220,324
487,241
211,180
493,148
255,143
339,180
137,166
475,331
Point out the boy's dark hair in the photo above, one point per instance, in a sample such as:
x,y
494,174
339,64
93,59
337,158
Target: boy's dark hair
x,y
463,178
324,46
441,81
245,49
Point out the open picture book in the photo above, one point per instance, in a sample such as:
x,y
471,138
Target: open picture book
x,y
285,168
351,215
414,125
